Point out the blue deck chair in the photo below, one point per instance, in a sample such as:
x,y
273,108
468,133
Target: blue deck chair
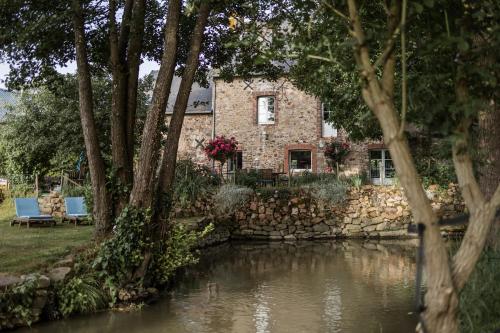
x,y
28,212
76,210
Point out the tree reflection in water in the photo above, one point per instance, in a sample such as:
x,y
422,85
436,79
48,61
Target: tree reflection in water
x,y
330,286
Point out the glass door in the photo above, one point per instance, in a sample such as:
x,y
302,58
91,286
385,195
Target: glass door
x,y
382,171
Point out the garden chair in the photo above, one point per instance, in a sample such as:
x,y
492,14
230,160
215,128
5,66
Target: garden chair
x,y
28,212
266,177
76,210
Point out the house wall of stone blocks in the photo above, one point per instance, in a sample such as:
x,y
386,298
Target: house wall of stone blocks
x,y
298,126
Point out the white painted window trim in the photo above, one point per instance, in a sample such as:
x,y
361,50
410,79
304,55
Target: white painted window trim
x,y
327,129
264,114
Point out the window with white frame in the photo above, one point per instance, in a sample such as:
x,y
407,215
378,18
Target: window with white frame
x,y
382,171
266,110
327,130
300,160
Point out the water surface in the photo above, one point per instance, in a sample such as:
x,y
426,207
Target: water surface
x,y
277,288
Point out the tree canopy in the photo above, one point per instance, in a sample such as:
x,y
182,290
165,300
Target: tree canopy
x,y
43,134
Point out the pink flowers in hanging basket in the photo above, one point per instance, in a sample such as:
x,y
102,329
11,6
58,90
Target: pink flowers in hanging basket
x,y
221,149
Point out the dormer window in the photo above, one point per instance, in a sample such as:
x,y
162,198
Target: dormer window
x,y
266,110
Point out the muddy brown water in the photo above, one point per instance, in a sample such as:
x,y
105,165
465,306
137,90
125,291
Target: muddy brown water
x,y
332,286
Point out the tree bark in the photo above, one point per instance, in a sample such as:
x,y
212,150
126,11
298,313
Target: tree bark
x,y
161,202
169,159
133,63
489,166
441,297
119,100
101,205
142,191
489,137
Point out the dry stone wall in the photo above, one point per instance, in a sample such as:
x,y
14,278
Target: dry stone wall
x,y
52,204
366,212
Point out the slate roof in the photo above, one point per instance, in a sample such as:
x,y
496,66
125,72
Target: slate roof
x,y
6,98
200,99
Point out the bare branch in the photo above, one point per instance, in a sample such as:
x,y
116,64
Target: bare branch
x,y
319,58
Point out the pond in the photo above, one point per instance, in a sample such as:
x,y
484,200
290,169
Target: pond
x,y
331,286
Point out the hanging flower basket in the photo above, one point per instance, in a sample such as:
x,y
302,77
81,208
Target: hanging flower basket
x,y
221,149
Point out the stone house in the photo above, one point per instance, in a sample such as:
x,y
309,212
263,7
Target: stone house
x,y
277,126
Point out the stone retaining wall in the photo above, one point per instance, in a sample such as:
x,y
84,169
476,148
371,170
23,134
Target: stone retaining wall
x,y
367,212
25,297
370,211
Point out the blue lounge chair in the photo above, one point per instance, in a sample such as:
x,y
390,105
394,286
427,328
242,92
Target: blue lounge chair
x,y
28,212
76,210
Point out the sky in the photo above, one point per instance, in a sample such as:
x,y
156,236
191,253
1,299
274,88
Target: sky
x,y
146,68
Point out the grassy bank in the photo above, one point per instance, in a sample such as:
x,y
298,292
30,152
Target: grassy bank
x,y
25,250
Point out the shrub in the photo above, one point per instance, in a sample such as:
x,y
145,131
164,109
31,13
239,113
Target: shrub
x,y
357,180
81,295
332,191
308,178
21,190
480,298
192,181
122,254
176,251
337,151
18,300
282,193
231,197
2,196
248,179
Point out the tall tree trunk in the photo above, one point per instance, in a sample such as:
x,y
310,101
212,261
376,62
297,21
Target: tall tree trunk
x,y
169,159
489,138
101,205
133,62
119,148
489,168
162,194
142,191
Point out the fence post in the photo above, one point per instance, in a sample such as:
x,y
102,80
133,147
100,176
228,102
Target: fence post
x,y
36,185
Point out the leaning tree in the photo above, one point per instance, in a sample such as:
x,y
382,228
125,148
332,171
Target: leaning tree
x,y
430,66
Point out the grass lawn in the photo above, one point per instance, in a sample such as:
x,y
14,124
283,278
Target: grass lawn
x,y
25,250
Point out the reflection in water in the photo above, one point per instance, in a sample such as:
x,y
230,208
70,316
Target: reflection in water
x,y
333,307
308,287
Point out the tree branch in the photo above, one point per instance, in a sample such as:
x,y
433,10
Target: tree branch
x,y
393,24
336,11
125,29
404,78
482,213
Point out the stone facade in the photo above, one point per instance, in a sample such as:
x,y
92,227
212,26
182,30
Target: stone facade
x,y
297,126
196,131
